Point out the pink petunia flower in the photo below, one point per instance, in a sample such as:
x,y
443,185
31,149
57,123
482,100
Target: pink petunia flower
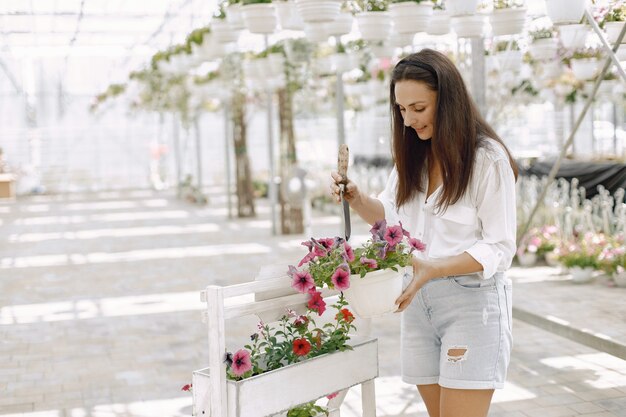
x,y
404,231
333,395
302,281
378,230
417,245
307,258
241,362
341,279
370,263
349,253
393,235
317,303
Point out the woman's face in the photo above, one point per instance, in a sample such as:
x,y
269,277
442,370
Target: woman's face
x,y
417,104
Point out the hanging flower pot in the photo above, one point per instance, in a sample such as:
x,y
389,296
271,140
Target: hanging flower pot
x,y
234,16
508,21
288,16
573,36
544,49
581,275
563,12
584,68
612,31
509,60
207,50
468,26
260,18
276,63
374,26
316,32
410,17
401,40
340,26
376,293
439,23
223,31
461,7
313,11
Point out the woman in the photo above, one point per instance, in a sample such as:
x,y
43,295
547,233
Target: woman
x,y
453,187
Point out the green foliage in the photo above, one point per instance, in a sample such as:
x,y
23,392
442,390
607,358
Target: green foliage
x,y
196,36
587,53
507,4
504,46
247,2
543,33
307,410
616,14
371,5
221,11
207,78
406,1
525,86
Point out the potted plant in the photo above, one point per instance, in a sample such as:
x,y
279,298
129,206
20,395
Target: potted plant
x,y
508,17
439,22
288,16
371,276
373,19
233,14
574,36
461,7
410,16
614,21
319,11
342,25
259,16
468,25
584,63
508,55
223,31
544,45
527,249
564,12
582,257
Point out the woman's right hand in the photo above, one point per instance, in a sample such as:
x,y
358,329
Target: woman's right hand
x,y
351,193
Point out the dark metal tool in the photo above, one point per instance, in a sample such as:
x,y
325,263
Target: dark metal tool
x,y
342,168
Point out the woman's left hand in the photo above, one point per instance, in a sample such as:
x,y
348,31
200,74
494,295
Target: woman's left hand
x,y
422,273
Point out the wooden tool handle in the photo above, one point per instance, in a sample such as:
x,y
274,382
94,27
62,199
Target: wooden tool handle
x,y
342,163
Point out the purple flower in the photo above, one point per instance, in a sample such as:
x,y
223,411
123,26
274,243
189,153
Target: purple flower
x,y
370,263
378,230
341,279
417,245
302,281
393,235
348,254
382,251
241,362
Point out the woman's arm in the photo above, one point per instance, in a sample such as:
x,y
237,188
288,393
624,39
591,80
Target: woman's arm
x,y
369,209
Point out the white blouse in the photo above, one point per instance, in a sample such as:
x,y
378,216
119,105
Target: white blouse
x,y
482,223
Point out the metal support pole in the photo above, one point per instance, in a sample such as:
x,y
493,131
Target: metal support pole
x,y
177,161
478,74
611,51
581,116
272,190
196,126
341,127
227,125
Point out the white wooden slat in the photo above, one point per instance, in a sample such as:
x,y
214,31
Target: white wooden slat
x,y
368,398
217,349
257,286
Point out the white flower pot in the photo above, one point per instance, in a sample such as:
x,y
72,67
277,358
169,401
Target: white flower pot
x,y
260,18
410,17
262,395
376,293
584,69
276,63
573,36
468,26
224,32
544,49
527,259
461,7
316,32
507,21
401,40
344,62
288,16
313,11
581,275
565,11
439,23
612,31
552,259
341,26
234,16
509,60
374,26
620,279
208,50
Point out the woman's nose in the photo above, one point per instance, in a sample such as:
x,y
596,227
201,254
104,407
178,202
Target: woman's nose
x,y
409,119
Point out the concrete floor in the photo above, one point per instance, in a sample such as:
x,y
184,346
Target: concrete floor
x,y
100,313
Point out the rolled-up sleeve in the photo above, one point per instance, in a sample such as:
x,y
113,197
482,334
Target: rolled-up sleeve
x,y
496,210
388,198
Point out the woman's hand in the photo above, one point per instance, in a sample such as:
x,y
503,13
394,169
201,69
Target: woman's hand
x,y
423,271
351,193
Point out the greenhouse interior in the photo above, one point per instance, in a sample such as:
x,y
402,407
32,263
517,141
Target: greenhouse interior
x,y
186,186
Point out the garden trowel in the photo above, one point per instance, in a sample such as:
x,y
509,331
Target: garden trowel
x,y
342,168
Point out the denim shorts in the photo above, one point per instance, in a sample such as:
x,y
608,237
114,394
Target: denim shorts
x,y
457,333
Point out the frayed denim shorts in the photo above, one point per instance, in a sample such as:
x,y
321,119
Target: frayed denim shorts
x,y
457,332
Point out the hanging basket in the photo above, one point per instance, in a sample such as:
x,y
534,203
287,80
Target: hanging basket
x,y
612,31
410,17
585,69
223,32
509,60
260,18
234,16
439,23
573,36
461,7
314,11
376,293
469,26
374,26
340,26
564,12
544,49
288,15
316,32
507,21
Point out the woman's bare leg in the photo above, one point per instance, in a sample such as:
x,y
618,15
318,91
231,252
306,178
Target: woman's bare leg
x,y
431,395
464,402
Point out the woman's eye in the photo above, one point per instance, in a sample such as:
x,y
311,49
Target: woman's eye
x,y
419,110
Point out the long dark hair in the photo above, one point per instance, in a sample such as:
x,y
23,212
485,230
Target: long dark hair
x,y
459,130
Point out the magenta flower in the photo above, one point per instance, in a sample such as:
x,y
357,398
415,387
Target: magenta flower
x,y
319,249
417,245
327,243
404,231
378,230
307,258
370,263
333,395
241,362
348,252
317,303
302,281
341,279
393,235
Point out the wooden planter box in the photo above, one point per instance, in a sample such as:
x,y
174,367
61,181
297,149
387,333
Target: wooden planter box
x,y
295,384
